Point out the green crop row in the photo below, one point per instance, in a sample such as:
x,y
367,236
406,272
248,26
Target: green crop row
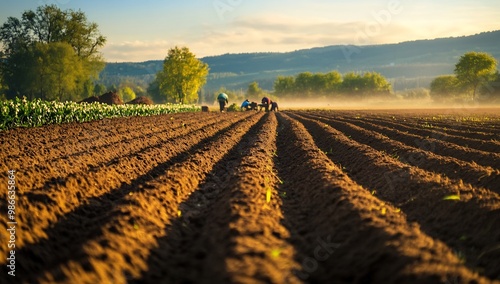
x,y
24,113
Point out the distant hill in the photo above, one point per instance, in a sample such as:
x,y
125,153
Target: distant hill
x,y
407,64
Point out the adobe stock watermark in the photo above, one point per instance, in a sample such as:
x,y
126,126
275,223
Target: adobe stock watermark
x,y
322,252
224,6
11,222
381,19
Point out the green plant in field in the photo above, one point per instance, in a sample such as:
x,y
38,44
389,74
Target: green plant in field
x,y
394,156
280,181
489,250
328,152
233,107
342,167
24,113
461,256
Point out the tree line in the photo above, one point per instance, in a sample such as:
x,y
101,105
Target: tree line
x,y
50,54
353,84
475,77
55,55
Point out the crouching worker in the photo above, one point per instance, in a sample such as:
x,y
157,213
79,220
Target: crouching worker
x,y
253,106
246,105
265,103
223,100
274,106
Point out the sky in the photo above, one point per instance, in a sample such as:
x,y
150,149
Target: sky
x,y
140,30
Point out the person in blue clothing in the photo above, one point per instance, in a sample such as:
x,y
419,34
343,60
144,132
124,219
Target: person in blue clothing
x,y
223,100
245,105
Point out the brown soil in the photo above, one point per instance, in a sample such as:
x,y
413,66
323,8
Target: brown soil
x,y
141,101
111,98
287,197
90,100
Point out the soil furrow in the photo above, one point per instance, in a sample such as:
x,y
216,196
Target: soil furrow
x,y
253,197
343,233
66,136
229,231
473,174
419,129
467,225
127,220
485,126
482,133
77,156
434,145
60,197
101,154
468,120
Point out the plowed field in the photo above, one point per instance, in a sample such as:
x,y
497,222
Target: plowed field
x,y
289,197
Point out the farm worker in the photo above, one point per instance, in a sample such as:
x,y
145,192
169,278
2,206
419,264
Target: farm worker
x,y
266,102
253,106
274,106
223,100
245,105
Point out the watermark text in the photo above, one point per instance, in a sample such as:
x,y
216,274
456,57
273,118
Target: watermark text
x,y
11,222
373,28
322,252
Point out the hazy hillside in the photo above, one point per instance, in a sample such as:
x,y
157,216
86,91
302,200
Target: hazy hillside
x,y
407,64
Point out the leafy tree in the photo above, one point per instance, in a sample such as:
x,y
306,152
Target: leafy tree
x,y
254,90
49,24
51,54
491,90
332,83
474,69
127,94
375,83
443,87
49,71
333,80
86,90
317,83
418,94
99,89
368,83
154,92
182,76
2,89
139,91
351,83
284,85
303,83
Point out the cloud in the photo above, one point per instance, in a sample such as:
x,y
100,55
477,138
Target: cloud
x,y
134,51
271,33
266,33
